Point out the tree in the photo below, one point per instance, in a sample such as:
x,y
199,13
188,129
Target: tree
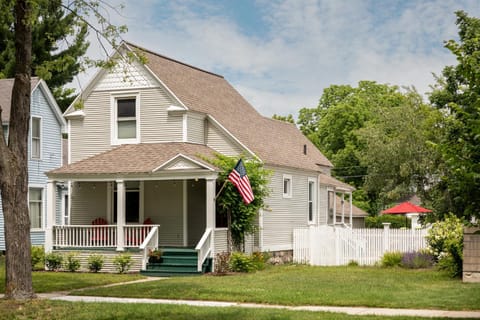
x,y
58,45
398,152
457,94
342,110
229,201
288,118
13,155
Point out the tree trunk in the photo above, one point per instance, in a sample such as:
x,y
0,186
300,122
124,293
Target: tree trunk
x,y
13,165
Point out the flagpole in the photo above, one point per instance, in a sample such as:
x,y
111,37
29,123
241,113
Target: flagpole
x,y
221,189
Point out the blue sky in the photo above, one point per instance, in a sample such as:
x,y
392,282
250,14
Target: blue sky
x,y
281,54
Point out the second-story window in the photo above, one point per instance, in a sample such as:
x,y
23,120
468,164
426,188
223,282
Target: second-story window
x,y
36,137
126,118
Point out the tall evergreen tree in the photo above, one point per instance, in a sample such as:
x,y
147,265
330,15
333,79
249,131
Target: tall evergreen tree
x,y
58,45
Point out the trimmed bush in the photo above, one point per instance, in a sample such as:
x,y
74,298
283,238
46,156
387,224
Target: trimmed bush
x,y
445,241
396,222
417,260
222,263
53,261
123,262
72,263
260,259
38,258
95,262
240,262
392,259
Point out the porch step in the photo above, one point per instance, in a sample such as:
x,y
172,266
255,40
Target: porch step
x,y
175,262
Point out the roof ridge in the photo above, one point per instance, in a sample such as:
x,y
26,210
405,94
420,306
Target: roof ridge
x,y
173,60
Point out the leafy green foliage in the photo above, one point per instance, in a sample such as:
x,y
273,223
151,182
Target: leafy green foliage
x,y
53,261
287,118
123,262
457,94
392,259
396,221
240,262
95,262
72,262
445,241
38,258
242,216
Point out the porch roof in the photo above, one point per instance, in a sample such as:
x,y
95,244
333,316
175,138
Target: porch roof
x,y
144,158
356,211
331,181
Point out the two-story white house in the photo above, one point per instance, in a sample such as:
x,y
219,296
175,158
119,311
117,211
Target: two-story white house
x,y
137,135
44,154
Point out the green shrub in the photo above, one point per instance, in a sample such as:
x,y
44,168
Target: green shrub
x,y
38,258
123,262
72,263
392,259
417,260
396,222
445,242
95,262
222,263
353,263
260,259
53,261
240,262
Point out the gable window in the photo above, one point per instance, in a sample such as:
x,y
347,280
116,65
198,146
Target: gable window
x,y
311,200
36,136
126,119
35,205
287,186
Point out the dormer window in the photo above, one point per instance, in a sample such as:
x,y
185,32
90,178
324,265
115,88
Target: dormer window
x,y
125,115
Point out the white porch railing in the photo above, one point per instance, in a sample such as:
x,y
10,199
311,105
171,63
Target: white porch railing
x,y
85,236
149,244
98,236
204,247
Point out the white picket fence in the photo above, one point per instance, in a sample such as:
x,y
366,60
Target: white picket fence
x,y
334,246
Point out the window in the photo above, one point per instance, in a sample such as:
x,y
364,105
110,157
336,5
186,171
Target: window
x,y
311,200
35,205
132,202
125,126
287,186
36,137
66,218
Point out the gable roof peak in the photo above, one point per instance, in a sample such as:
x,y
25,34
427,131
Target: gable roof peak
x,y
131,45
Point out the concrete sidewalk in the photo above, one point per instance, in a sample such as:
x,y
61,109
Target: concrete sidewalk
x,y
348,310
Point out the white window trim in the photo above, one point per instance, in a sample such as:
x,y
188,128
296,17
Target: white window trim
x,y
113,116
40,138
289,193
314,200
42,187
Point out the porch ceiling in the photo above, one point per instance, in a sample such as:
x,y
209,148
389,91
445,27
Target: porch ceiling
x,y
140,159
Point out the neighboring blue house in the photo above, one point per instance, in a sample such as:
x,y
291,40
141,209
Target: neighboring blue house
x,y
44,153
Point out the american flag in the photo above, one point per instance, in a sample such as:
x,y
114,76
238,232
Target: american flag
x,y
239,178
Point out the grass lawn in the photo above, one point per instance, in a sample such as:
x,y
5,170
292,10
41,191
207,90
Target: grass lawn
x,y
304,285
63,281
53,310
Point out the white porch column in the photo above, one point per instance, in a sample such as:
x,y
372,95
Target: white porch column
x,y
185,212
351,210
120,214
343,208
210,195
50,221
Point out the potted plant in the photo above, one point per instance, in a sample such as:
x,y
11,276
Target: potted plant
x,y
155,256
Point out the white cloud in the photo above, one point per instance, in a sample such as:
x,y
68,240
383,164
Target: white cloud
x,y
304,46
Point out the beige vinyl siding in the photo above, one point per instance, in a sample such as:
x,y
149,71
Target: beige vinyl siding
x,y
285,214
88,202
322,205
108,257
91,135
163,202
220,142
156,124
195,128
196,191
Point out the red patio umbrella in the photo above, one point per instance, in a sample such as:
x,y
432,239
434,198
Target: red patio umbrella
x,y
406,207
